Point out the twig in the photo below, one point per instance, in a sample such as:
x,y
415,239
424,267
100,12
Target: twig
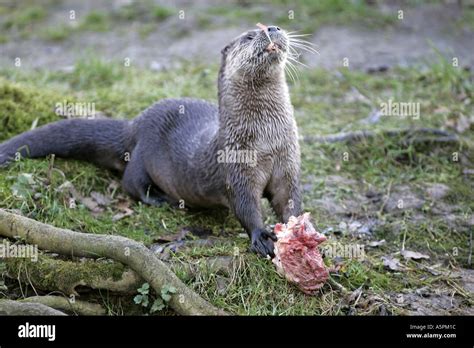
x,y
340,287
469,258
441,136
389,189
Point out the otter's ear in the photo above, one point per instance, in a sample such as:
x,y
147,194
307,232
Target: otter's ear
x,y
226,49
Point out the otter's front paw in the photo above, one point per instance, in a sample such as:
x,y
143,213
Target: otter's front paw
x,y
262,242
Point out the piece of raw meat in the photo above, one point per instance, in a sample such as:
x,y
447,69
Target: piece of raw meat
x,y
297,255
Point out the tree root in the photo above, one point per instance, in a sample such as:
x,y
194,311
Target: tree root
x,y
10,307
52,274
64,304
135,255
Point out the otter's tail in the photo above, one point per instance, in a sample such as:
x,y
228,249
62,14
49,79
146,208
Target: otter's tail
x,y
104,142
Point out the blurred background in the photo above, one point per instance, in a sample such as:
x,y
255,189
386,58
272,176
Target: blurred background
x,y
373,34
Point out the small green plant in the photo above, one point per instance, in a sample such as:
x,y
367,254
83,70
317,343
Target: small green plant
x,y
144,297
24,186
95,21
161,13
56,33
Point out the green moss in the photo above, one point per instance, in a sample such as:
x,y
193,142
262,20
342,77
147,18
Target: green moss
x,y
23,106
355,274
49,273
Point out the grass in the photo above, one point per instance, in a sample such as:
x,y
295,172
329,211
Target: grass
x,y
20,21
161,13
56,33
145,13
324,103
95,21
467,18
305,12
299,15
21,107
95,73
23,17
28,20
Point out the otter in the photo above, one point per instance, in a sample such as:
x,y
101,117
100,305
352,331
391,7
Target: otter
x,y
173,151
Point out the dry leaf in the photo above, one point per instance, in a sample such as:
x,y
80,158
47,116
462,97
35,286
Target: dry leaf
x,y
173,237
123,214
113,186
376,243
392,263
124,207
355,295
407,254
101,199
441,110
460,123
463,124
90,204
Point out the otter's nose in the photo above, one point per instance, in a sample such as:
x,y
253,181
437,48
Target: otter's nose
x,y
273,28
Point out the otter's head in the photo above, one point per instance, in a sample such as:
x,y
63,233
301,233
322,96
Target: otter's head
x,y
255,53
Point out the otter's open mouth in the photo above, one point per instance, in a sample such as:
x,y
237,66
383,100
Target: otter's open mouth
x,y
273,47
